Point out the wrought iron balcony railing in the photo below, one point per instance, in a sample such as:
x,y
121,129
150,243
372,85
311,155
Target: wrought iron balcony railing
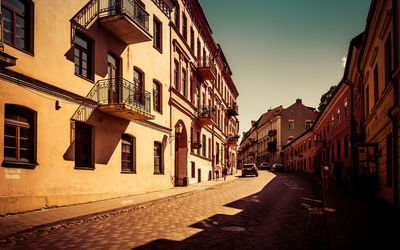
x,y
206,112
121,91
233,138
96,9
207,68
233,110
130,8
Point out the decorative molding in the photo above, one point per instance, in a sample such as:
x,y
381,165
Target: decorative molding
x,y
385,25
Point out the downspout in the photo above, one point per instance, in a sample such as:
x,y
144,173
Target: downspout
x,y
395,104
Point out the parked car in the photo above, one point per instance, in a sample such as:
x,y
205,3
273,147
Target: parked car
x,y
249,169
265,165
277,167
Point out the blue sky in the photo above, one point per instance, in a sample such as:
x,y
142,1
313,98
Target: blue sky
x,y
280,50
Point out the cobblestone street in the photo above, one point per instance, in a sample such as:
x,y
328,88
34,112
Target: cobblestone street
x,y
254,212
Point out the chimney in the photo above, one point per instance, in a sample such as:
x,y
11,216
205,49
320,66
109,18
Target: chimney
x,y
252,123
298,100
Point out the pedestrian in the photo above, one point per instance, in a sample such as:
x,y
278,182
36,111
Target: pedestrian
x,y
224,173
325,175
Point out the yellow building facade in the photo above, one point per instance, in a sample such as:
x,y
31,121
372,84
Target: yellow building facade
x,y
379,67
86,103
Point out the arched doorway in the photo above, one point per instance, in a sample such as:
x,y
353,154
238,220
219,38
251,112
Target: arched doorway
x,y
181,154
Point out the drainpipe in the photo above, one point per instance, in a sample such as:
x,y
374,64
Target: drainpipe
x,y
395,104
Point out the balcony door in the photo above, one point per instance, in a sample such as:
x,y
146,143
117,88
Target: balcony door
x,y
113,75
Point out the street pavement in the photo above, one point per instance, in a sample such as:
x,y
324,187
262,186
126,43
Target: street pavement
x,y
271,211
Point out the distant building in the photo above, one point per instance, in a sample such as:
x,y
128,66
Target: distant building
x,y
274,129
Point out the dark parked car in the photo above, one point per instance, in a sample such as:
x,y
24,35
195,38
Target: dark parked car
x,y
249,169
277,167
265,165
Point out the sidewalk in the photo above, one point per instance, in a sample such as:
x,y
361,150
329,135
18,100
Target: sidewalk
x,y
355,222
29,221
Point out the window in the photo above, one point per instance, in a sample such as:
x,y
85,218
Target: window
x,y
338,116
338,150
184,86
209,148
191,140
176,75
376,84
128,158
217,154
157,96
346,109
17,22
83,145
191,89
204,146
367,101
389,159
192,38
388,60
309,144
157,34
193,172
198,50
291,124
82,56
158,167
138,78
177,15
346,146
333,153
308,124
198,141
333,122
184,27
19,136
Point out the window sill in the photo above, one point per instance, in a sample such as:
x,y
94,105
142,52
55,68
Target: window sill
x,y
20,49
84,168
128,172
19,164
85,78
158,49
158,173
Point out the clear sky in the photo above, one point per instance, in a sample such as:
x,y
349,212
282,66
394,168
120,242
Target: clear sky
x,y
280,50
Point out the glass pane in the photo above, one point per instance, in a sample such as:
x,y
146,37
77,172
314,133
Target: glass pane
x,y
81,42
7,14
7,26
84,56
24,143
24,119
10,142
84,64
10,153
8,37
19,20
17,4
76,52
84,73
77,61
24,132
76,69
10,130
24,155
20,42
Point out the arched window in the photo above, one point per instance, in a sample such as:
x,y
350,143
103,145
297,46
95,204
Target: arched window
x,y
19,135
17,23
128,154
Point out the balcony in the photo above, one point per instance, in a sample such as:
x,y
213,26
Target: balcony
x,y
233,110
126,19
124,99
206,116
233,141
206,68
